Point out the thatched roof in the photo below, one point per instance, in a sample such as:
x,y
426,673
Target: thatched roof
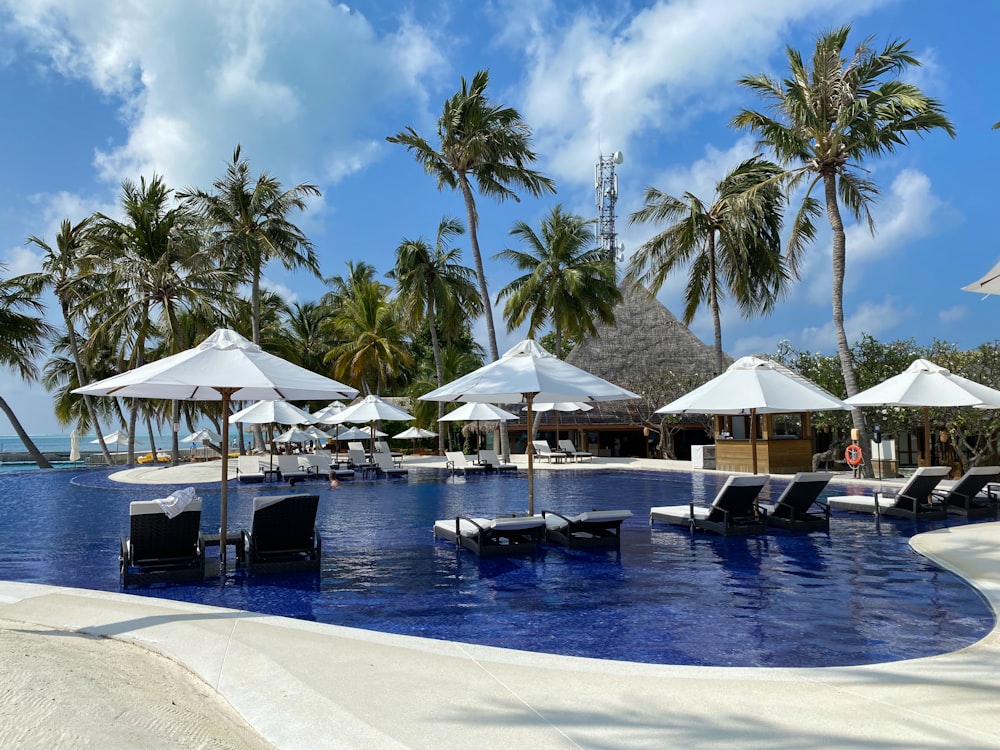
x,y
646,341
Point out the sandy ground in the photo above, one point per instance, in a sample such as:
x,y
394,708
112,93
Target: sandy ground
x,y
68,690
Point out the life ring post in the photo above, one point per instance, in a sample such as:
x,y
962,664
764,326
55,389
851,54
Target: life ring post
x,y
854,456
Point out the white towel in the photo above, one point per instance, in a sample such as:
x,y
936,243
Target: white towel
x,y
174,504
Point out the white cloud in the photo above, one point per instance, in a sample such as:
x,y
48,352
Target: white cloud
x,y
193,79
953,314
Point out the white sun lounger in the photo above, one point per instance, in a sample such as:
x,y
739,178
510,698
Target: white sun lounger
x,y
594,528
731,512
505,535
457,461
915,499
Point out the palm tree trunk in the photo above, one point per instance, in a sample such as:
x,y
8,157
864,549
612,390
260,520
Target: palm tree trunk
x,y
258,434
133,419
82,380
438,365
470,209
36,455
843,348
713,303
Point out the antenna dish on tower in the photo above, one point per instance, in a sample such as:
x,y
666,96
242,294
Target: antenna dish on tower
x,y
618,157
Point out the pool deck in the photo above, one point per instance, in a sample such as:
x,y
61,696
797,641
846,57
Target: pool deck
x,y
308,685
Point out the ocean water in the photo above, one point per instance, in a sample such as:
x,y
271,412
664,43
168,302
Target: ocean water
x,y
61,443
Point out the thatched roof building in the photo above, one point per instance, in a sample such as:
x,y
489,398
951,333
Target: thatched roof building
x,y
646,342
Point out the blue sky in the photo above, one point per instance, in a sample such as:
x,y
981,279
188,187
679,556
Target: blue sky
x,y
101,91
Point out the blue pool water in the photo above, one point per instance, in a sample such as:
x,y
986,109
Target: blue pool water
x,y
856,595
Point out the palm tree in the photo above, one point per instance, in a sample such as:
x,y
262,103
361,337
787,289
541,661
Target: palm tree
x,y
67,268
154,268
829,116
371,330
435,289
22,336
250,221
732,245
570,282
485,143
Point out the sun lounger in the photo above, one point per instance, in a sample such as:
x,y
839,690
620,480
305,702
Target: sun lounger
x,y
914,500
248,469
357,460
291,471
731,512
321,465
797,508
383,447
570,450
506,535
595,528
457,461
160,548
283,536
384,465
492,461
543,450
965,497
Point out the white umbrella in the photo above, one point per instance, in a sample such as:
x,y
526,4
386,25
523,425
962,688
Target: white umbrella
x,y
327,413
272,412
294,435
414,433
223,367
988,284
118,437
202,435
527,371
317,433
926,384
357,433
477,411
372,409
755,386
560,406
74,446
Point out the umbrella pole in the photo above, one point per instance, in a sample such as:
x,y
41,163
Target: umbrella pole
x,y
753,439
224,494
927,436
531,455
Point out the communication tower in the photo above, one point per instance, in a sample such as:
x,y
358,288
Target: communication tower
x,y
606,186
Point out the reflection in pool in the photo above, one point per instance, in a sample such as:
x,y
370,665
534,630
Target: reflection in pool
x,y
856,595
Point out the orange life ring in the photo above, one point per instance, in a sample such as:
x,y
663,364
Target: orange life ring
x,y
854,456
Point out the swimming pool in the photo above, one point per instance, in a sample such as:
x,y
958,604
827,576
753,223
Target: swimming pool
x,y
856,595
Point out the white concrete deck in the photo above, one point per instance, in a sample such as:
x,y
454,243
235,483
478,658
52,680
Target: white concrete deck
x,y
306,685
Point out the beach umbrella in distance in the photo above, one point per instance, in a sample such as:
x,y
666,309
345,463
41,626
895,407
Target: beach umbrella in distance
x,y
755,386
224,367
294,435
560,406
414,433
327,413
201,435
74,446
372,409
118,438
272,412
526,371
925,384
478,412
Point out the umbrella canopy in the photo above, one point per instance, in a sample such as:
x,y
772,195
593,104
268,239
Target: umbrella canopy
x,y
327,413
414,433
926,384
316,433
988,284
272,412
372,409
200,435
561,406
755,386
223,367
477,411
294,435
118,437
357,433
526,371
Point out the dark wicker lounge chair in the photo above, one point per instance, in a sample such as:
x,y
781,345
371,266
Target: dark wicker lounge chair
x,y
506,535
160,548
797,508
963,497
914,500
283,536
732,512
595,528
